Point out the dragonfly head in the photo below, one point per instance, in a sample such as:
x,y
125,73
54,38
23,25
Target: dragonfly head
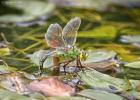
x,y
83,55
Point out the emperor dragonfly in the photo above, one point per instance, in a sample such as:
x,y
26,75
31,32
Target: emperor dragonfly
x,y
63,41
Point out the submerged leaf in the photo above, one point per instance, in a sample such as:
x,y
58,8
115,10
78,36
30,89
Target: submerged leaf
x,y
51,86
99,95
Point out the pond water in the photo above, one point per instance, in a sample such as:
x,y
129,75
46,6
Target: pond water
x,y
111,25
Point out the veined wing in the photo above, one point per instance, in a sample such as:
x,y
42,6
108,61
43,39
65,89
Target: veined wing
x,y
54,37
70,31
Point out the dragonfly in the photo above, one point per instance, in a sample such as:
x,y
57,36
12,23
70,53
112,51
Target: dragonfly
x,y
63,43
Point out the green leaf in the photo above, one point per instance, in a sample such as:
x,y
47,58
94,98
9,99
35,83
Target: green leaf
x,y
99,95
32,9
67,98
4,68
131,39
7,95
37,96
133,65
99,56
130,31
4,51
135,94
101,66
94,78
37,56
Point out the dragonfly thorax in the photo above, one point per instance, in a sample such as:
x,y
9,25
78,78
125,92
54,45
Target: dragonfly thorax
x,y
68,53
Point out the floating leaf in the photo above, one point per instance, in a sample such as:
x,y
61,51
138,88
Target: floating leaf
x,y
37,56
5,69
133,65
135,94
67,98
32,9
99,95
101,66
130,39
96,79
7,95
99,56
134,40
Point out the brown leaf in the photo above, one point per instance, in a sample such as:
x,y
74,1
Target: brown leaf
x,y
51,86
14,81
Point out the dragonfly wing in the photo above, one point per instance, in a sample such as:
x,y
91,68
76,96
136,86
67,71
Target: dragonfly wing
x,y
54,37
70,31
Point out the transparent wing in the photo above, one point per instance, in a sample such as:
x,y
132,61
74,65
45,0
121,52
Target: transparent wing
x,y
70,31
54,37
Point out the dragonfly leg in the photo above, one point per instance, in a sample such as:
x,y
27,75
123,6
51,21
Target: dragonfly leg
x,y
66,65
79,65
